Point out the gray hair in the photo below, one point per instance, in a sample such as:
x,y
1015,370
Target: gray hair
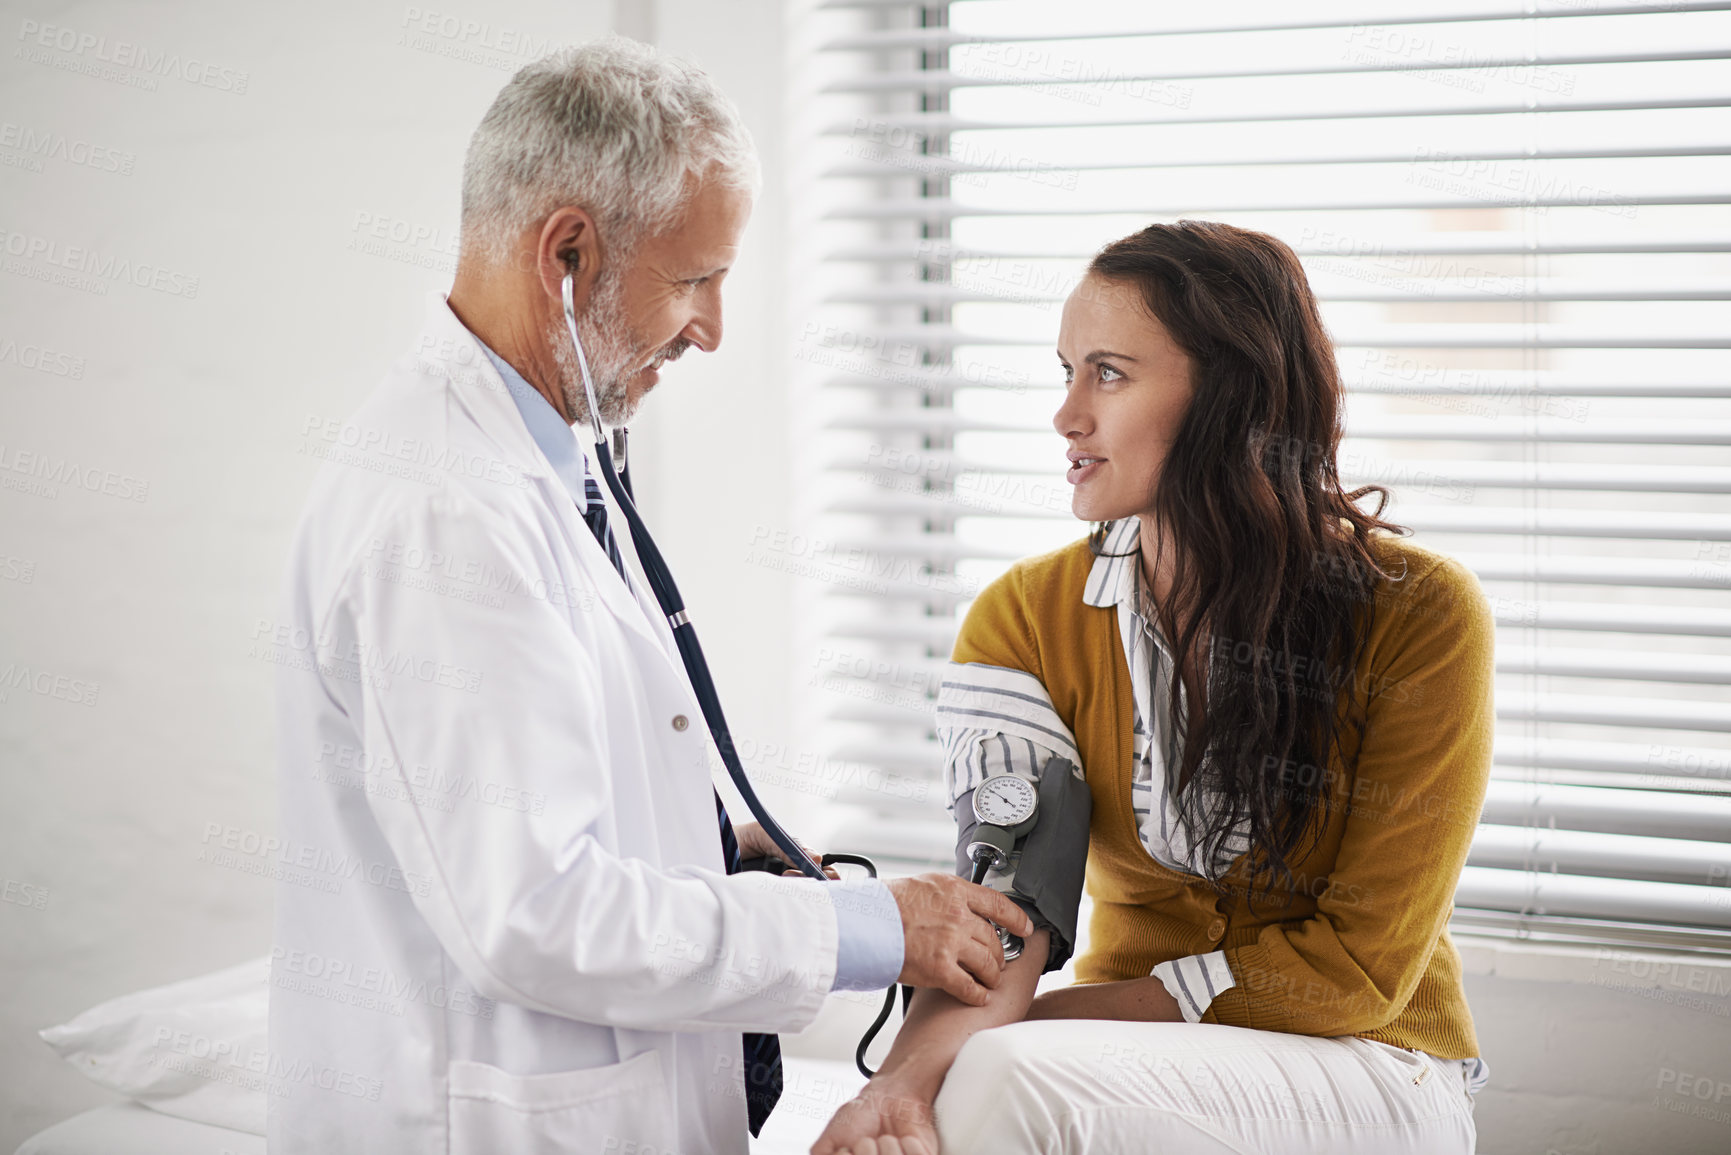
x,y
609,126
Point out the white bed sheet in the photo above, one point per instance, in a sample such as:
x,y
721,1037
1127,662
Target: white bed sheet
x,y
812,1090
129,1129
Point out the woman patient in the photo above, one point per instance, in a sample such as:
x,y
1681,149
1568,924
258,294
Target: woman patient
x,y
1282,711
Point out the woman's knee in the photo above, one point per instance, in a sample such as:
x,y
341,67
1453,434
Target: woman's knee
x,y
1000,1093
990,1056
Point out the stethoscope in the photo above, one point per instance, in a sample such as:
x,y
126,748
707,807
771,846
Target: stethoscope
x,y
667,594
987,851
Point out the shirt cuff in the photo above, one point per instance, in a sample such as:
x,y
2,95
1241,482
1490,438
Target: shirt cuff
x,y
868,932
1194,981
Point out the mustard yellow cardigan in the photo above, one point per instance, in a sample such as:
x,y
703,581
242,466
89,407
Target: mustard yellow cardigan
x,y
1361,946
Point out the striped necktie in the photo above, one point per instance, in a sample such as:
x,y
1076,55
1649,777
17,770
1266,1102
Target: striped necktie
x,y
762,1052
597,519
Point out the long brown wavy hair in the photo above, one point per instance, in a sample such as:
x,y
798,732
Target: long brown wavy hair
x,y
1274,577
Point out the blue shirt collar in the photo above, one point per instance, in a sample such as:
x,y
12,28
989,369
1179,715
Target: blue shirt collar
x,y
558,441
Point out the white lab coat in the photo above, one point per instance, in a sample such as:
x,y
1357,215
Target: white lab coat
x,y
503,923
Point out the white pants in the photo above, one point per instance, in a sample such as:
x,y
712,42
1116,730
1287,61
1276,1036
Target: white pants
x,y
1061,1086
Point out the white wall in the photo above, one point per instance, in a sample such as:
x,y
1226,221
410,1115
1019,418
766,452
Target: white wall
x,y
1599,1051
344,117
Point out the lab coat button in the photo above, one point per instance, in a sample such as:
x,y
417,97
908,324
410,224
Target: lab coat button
x,y
1217,928
680,722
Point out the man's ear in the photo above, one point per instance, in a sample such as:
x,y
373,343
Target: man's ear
x,y
568,243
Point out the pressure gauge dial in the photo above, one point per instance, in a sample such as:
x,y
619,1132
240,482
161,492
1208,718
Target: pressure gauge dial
x,y
1007,801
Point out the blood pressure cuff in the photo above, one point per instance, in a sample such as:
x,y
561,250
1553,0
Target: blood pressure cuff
x,y
1046,867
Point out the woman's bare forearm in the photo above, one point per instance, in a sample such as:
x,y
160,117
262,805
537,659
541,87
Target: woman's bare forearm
x,y
1143,1000
938,1024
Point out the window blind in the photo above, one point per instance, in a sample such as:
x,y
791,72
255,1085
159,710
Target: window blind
x,y
1515,217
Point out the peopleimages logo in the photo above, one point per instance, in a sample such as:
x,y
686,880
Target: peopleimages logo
x,y
27,355
48,684
41,257
90,50
41,474
32,146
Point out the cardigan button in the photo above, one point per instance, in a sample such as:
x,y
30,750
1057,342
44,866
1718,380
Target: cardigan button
x,y
1217,928
680,722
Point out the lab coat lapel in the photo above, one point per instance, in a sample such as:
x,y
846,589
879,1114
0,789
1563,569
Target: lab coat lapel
x,y
482,393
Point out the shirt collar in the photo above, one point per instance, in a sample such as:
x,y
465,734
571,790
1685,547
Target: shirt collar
x,y
1117,581
557,440
1114,580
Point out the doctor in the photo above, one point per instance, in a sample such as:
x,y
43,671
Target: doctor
x,y
504,921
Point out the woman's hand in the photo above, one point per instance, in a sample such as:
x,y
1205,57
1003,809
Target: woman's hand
x,y
885,1118
754,842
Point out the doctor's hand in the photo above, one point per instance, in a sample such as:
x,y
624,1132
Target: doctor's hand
x,y
947,940
755,842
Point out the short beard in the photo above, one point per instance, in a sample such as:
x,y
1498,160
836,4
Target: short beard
x,y
607,345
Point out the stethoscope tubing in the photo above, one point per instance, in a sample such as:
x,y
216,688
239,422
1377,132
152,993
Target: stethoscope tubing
x,y
667,595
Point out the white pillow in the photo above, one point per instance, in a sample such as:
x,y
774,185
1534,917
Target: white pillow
x,y
193,1049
